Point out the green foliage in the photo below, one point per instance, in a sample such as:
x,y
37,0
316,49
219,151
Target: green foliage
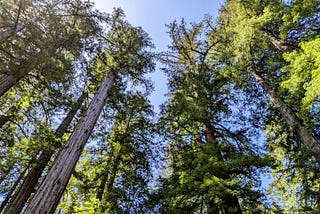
x,y
127,49
46,36
199,180
113,173
300,20
216,107
303,71
263,36
295,184
212,167
63,50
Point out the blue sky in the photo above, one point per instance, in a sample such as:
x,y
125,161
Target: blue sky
x,y
152,16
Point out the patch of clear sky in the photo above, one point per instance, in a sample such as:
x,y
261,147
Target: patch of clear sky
x,y
152,16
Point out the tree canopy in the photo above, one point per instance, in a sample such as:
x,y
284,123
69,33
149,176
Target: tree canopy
x,y
239,132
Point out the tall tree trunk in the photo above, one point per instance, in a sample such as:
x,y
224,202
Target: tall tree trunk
x,y
15,185
104,180
304,134
48,195
31,180
102,186
231,203
114,173
6,82
112,179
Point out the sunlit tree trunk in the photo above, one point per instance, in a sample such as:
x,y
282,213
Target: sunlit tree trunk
x,y
31,180
278,44
48,195
304,134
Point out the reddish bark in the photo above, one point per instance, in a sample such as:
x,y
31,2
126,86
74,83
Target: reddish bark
x,y
48,195
28,186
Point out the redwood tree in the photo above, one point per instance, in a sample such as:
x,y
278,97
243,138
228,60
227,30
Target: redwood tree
x,y
28,186
126,57
48,195
254,37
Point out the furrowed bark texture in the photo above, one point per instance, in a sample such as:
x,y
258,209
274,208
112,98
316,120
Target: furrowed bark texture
x,y
6,82
47,197
28,186
304,134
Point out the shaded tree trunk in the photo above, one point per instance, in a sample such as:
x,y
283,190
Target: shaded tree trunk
x,y
111,180
48,195
231,203
6,82
114,173
303,133
15,185
103,181
31,180
102,186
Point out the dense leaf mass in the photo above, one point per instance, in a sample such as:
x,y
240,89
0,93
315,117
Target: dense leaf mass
x,y
239,132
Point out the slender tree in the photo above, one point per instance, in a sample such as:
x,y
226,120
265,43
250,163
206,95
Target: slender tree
x,y
125,51
267,44
295,175
45,59
113,174
9,195
20,137
30,181
49,193
252,35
